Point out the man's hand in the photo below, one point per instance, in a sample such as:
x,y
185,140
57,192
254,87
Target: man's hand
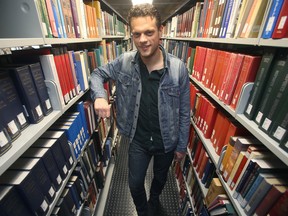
x,y
179,156
102,108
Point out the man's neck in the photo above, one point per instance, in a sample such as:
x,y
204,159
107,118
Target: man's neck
x,y
154,62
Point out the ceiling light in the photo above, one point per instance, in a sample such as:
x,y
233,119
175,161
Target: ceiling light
x,y
135,2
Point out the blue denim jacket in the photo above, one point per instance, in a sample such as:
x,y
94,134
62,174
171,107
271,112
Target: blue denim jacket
x,y
173,97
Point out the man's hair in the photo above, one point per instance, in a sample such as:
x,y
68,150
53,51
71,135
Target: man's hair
x,y
143,10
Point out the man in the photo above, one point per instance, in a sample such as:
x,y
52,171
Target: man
x,y
152,105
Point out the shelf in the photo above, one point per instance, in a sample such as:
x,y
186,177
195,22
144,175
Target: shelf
x,y
214,97
241,41
70,40
113,37
274,42
264,138
235,203
28,136
19,42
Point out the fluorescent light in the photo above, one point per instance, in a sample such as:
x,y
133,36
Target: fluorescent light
x,y
135,2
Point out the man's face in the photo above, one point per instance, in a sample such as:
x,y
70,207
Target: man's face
x,y
146,35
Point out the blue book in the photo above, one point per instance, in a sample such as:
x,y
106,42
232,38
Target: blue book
x,y
61,18
54,147
10,107
57,18
49,163
27,92
61,137
272,18
28,189
9,198
79,71
80,108
208,169
226,18
38,78
36,168
5,140
75,195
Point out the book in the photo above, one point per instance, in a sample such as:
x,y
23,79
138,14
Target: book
x,y
27,92
226,18
215,189
280,30
41,7
54,147
74,194
272,19
56,14
81,69
37,169
50,73
49,162
38,78
261,191
199,60
9,197
218,19
68,199
254,19
75,17
278,72
261,79
280,207
270,199
209,120
241,144
61,138
230,146
247,74
51,18
209,64
233,18
12,115
28,188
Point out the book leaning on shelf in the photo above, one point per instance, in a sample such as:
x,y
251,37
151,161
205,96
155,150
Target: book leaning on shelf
x,y
12,116
27,91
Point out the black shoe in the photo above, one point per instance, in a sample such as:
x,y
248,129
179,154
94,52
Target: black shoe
x,y
153,207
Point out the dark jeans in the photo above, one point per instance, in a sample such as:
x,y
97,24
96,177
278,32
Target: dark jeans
x,y
139,159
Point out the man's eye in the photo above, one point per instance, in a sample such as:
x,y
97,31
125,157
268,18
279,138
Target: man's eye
x,y
149,33
136,34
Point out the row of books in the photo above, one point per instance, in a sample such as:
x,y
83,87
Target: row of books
x,y
77,19
24,100
267,103
231,19
212,122
254,176
224,73
36,176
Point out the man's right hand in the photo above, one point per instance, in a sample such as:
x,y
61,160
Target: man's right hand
x,y
102,108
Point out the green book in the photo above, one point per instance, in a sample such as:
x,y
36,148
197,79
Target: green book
x,y
274,86
259,84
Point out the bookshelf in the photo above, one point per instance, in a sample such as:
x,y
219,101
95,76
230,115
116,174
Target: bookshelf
x,y
257,44
23,30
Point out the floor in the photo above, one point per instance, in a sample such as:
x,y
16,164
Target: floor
x,y
119,201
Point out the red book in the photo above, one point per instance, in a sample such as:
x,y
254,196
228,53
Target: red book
x,y
248,73
199,159
217,70
198,105
238,172
234,129
209,64
221,132
281,27
69,71
222,84
280,207
202,113
196,155
223,73
208,18
271,199
217,127
200,56
61,74
203,165
210,68
232,80
51,18
193,91
210,119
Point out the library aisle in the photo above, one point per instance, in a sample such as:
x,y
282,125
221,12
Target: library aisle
x,y
119,201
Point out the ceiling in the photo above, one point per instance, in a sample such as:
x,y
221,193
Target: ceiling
x,y
165,7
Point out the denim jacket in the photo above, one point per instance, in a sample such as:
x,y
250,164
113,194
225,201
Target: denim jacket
x,y
173,97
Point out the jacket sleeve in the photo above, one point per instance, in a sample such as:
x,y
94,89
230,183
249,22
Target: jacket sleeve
x,y
184,112
103,74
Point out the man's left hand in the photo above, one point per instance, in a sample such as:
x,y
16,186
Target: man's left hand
x,y
179,156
